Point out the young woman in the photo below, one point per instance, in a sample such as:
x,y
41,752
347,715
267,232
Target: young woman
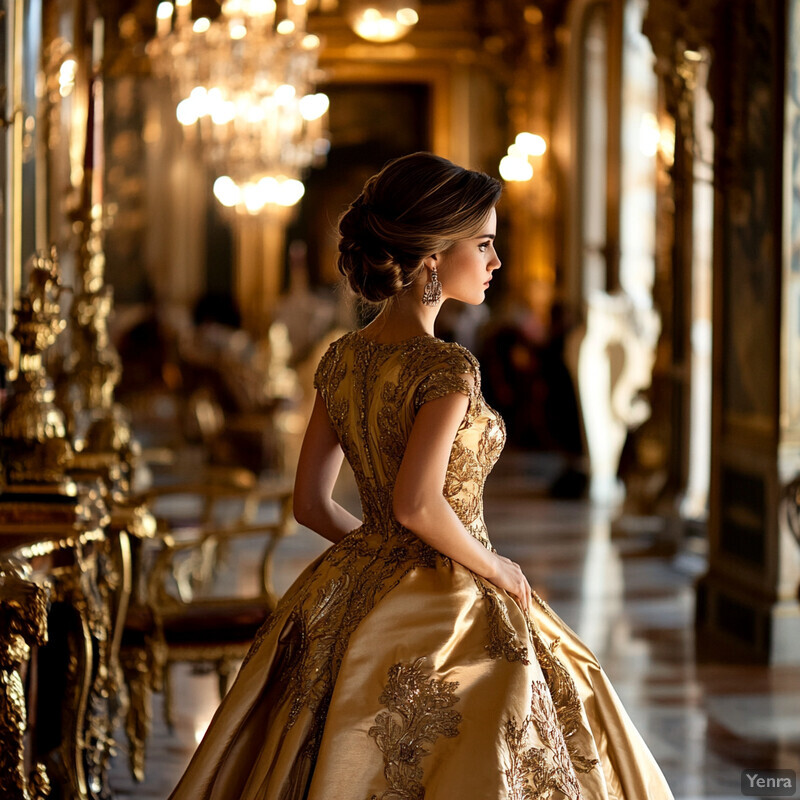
x,y
411,660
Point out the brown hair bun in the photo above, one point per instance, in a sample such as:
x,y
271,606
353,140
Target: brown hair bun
x,y
417,205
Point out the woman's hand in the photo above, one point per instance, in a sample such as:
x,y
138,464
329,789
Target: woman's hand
x,y
508,575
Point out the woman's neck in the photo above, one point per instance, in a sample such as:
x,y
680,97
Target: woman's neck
x,y
402,318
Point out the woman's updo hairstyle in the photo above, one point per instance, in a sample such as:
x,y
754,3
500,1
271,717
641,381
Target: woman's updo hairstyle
x,y
417,205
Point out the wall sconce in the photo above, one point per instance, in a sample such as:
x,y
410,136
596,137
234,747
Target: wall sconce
x,y
382,20
516,165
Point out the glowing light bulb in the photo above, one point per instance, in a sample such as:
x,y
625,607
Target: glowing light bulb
x,y
67,74
164,13
383,20
289,192
649,135
407,17
227,192
262,8
531,144
313,106
187,112
284,93
252,198
513,168
223,113
238,30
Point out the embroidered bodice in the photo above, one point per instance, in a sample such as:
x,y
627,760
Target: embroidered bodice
x,y
373,392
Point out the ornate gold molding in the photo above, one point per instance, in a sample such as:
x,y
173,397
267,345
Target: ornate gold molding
x,y
36,452
23,617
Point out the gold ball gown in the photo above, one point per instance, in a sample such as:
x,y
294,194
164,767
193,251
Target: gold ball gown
x,y
390,672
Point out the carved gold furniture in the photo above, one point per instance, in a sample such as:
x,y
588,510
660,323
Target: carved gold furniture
x,y
193,609
64,581
56,582
23,620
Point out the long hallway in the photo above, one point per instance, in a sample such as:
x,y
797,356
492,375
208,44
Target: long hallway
x,y
627,589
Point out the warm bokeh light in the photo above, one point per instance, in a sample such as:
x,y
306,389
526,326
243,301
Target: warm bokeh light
x,y
313,106
201,25
666,144
382,20
257,196
227,192
223,113
515,168
649,135
260,8
164,13
238,30
284,93
186,112
531,144
407,16
67,74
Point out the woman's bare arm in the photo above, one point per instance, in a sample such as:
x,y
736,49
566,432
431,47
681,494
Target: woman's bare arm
x,y
420,505
317,469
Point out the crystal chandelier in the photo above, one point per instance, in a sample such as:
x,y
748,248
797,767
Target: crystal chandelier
x,y
246,82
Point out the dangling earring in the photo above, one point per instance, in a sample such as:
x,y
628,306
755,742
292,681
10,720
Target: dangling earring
x,y
432,293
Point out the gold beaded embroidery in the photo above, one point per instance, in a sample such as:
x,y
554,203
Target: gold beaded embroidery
x,y
503,639
535,773
564,697
420,711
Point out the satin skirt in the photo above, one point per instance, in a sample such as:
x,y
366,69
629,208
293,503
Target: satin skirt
x,y
389,672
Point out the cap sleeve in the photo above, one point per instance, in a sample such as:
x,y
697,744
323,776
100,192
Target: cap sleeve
x,y
457,372
324,375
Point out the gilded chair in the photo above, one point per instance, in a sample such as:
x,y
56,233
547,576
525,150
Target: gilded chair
x,y
205,587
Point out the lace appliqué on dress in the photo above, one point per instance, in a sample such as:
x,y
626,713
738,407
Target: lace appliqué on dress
x,y
420,711
564,697
363,575
503,639
535,773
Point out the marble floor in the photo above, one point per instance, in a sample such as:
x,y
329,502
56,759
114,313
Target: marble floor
x,y
623,584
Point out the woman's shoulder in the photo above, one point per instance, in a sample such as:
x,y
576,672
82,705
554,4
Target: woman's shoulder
x,y
337,345
443,368
449,356
331,358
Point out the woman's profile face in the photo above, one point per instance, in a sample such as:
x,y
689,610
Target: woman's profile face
x,y
466,268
